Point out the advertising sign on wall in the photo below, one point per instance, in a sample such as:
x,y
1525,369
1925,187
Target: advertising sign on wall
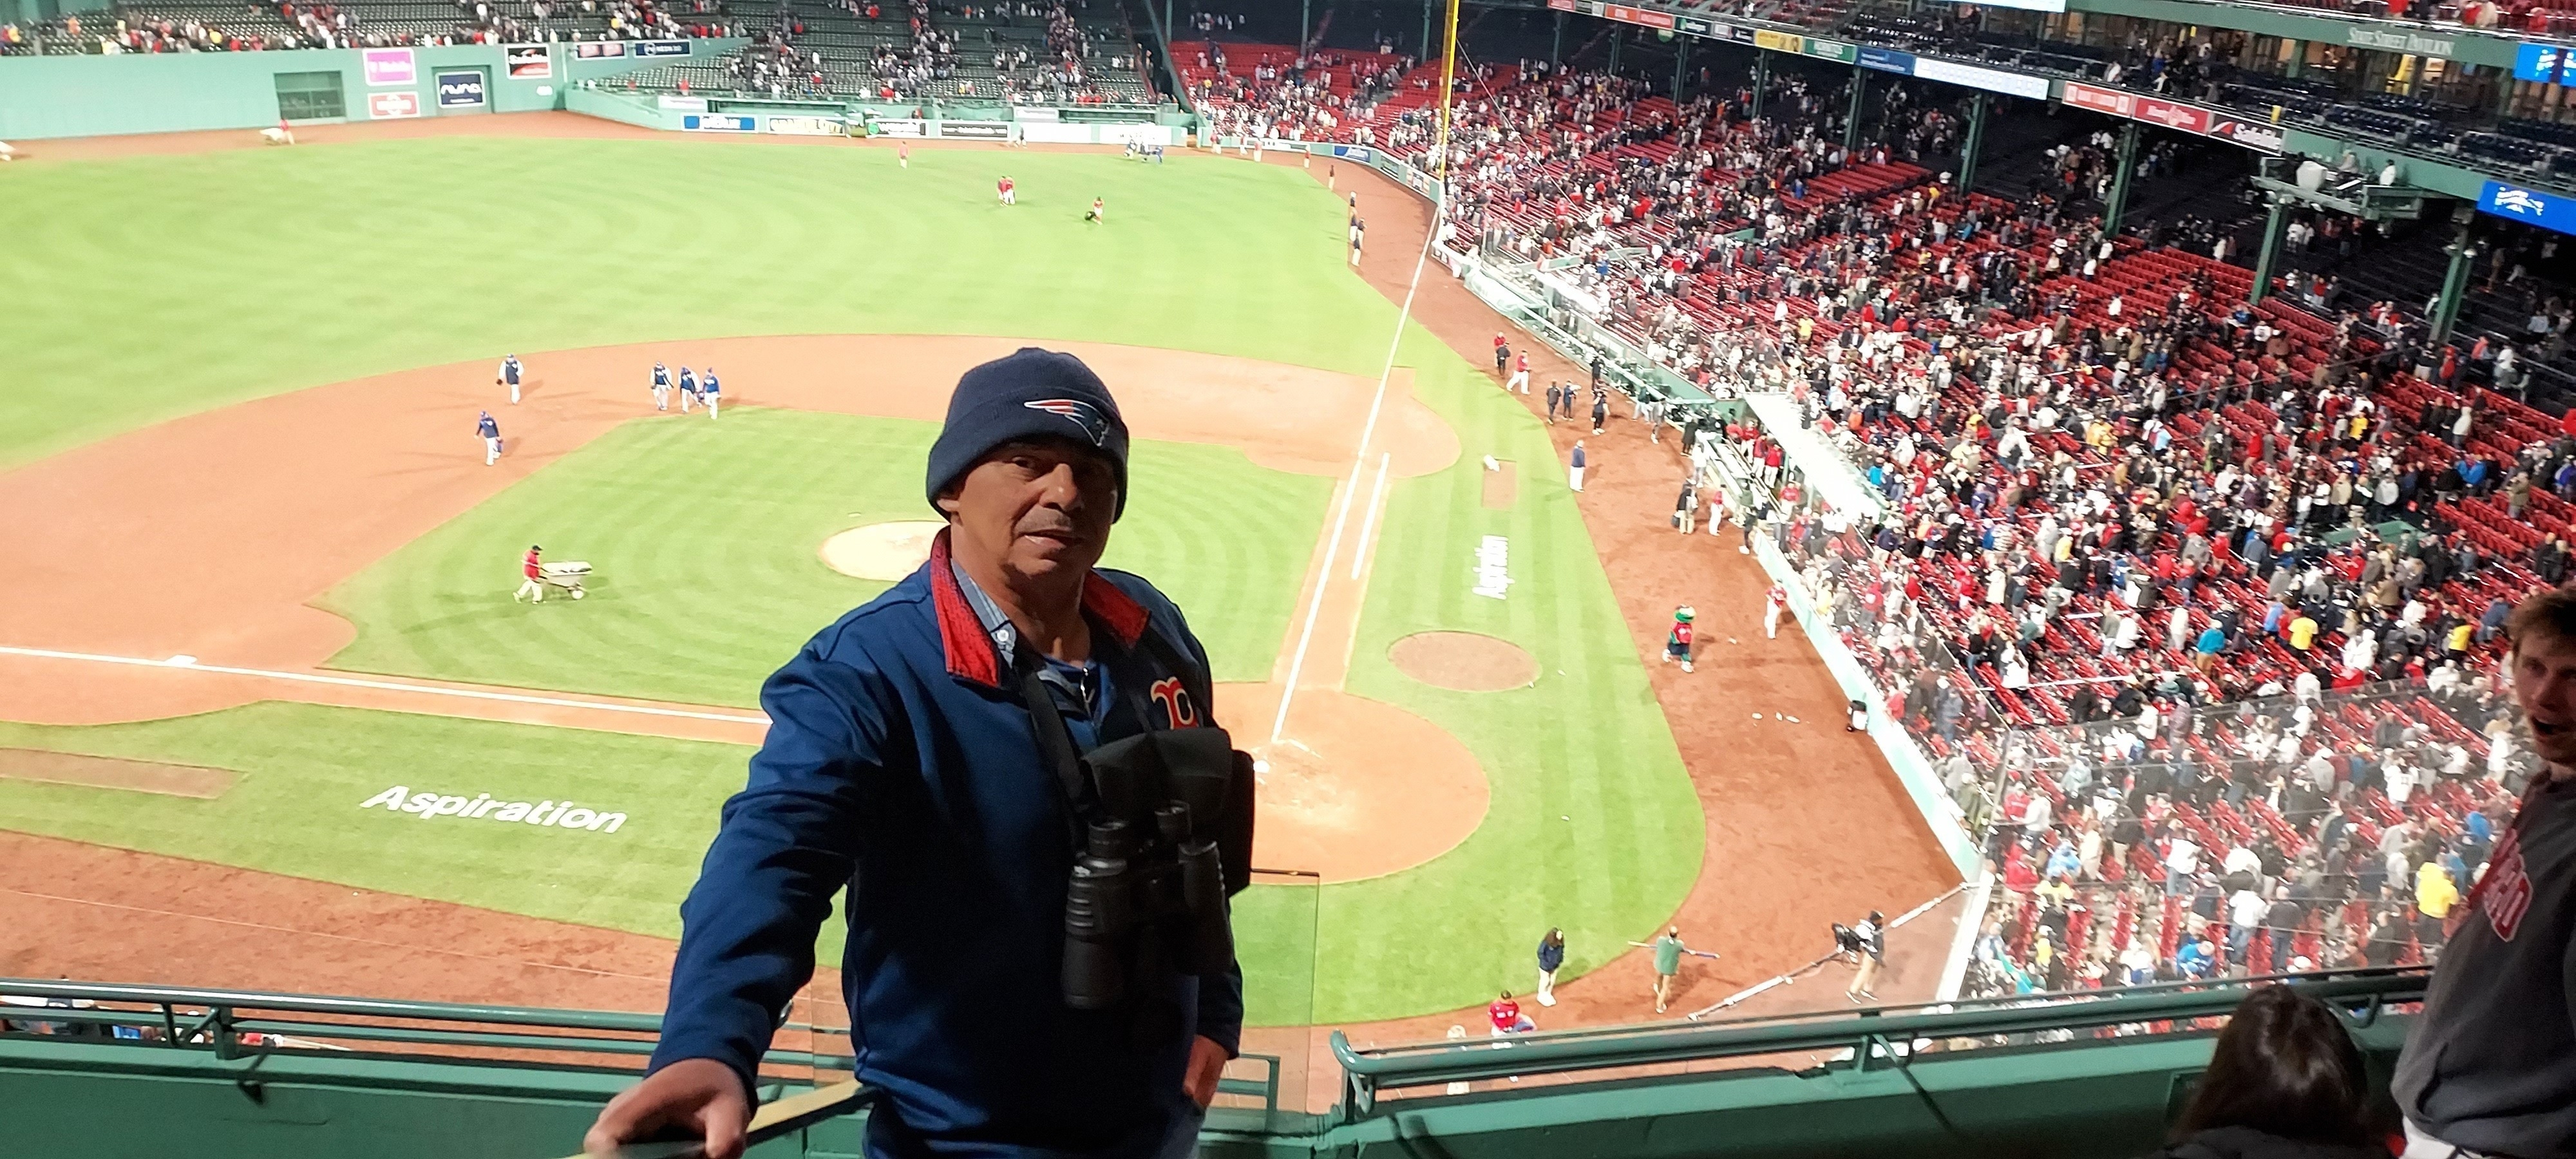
x,y
460,90
2537,62
1991,80
599,49
720,123
805,126
387,106
680,104
1646,16
2251,134
528,61
2100,100
1886,60
897,128
660,48
976,130
2026,5
2546,210
2172,114
388,66
1561,5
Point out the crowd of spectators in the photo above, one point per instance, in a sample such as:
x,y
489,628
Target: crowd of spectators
x,y
2193,601
286,24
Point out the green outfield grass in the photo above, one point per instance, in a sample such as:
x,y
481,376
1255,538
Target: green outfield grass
x,y
265,270
700,599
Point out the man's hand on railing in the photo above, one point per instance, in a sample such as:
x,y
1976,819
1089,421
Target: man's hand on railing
x,y
699,1096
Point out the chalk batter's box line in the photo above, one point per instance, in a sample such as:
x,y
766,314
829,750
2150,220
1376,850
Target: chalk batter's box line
x,y
190,664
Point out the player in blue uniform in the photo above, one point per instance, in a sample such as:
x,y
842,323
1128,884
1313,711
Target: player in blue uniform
x,y
707,390
688,389
491,434
509,376
661,387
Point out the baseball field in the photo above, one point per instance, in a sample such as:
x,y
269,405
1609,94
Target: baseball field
x,y
261,576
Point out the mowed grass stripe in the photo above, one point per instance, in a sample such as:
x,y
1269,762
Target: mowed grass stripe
x,y
708,577
705,536
1592,823
619,241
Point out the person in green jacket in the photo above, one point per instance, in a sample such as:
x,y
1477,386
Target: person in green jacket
x,y
1668,965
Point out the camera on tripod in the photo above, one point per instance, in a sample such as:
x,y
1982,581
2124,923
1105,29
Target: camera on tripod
x,y
1168,841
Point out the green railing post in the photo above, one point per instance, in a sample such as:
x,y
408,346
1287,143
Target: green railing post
x,y
1305,24
1556,44
2271,249
1426,37
1761,80
1851,124
2127,165
2455,286
1618,36
1681,68
1975,144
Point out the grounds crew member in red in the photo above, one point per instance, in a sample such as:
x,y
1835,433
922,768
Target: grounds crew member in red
x,y
960,753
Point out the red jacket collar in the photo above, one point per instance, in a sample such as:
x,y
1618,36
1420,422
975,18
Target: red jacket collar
x,y
971,653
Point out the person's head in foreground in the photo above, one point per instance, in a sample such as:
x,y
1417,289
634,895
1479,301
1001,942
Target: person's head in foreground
x,y
2283,1080
1014,992
2543,663
2490,1063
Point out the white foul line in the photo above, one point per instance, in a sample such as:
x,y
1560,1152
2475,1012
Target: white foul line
x,y
191,665
1368,526
1359,461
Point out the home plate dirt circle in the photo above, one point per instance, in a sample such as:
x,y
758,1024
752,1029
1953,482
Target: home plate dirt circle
x,y
1464,661
881,551
1357,787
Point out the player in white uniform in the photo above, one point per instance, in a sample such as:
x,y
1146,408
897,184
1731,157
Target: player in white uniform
x,y
509,375
661,387
707,390
491,435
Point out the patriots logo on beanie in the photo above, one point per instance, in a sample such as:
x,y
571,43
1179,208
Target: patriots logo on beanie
x,y
1095,426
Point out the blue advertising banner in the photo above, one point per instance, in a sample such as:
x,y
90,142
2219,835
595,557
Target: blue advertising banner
x,y
460,89
658,48
2536,62
2546,210
1887,60
719,122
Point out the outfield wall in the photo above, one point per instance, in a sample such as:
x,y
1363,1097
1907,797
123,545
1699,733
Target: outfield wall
x,y
702,113
89,96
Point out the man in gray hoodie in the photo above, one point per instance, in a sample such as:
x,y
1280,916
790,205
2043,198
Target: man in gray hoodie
x,y
2490,1068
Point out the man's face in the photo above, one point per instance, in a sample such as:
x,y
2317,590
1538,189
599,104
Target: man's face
x,y
1035,507
2544,685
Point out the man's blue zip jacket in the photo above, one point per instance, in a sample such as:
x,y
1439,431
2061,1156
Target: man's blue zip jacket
x,y
902,763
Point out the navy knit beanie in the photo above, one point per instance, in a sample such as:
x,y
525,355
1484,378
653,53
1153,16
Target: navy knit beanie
x,y
1030,394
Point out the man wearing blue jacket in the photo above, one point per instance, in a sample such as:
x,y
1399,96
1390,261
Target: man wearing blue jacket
x,y
904,762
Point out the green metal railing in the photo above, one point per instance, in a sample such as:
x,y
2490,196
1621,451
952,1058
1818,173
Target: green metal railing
x,y
1880,1036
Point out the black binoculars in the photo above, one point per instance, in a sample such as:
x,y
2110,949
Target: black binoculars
x,y
1148,887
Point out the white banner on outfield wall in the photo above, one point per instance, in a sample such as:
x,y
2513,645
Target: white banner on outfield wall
x,y
1052,133
2027,5
1138,134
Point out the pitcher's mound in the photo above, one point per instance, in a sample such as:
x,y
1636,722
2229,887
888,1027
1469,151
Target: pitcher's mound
x,y
1464,661
881,551
1357,788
